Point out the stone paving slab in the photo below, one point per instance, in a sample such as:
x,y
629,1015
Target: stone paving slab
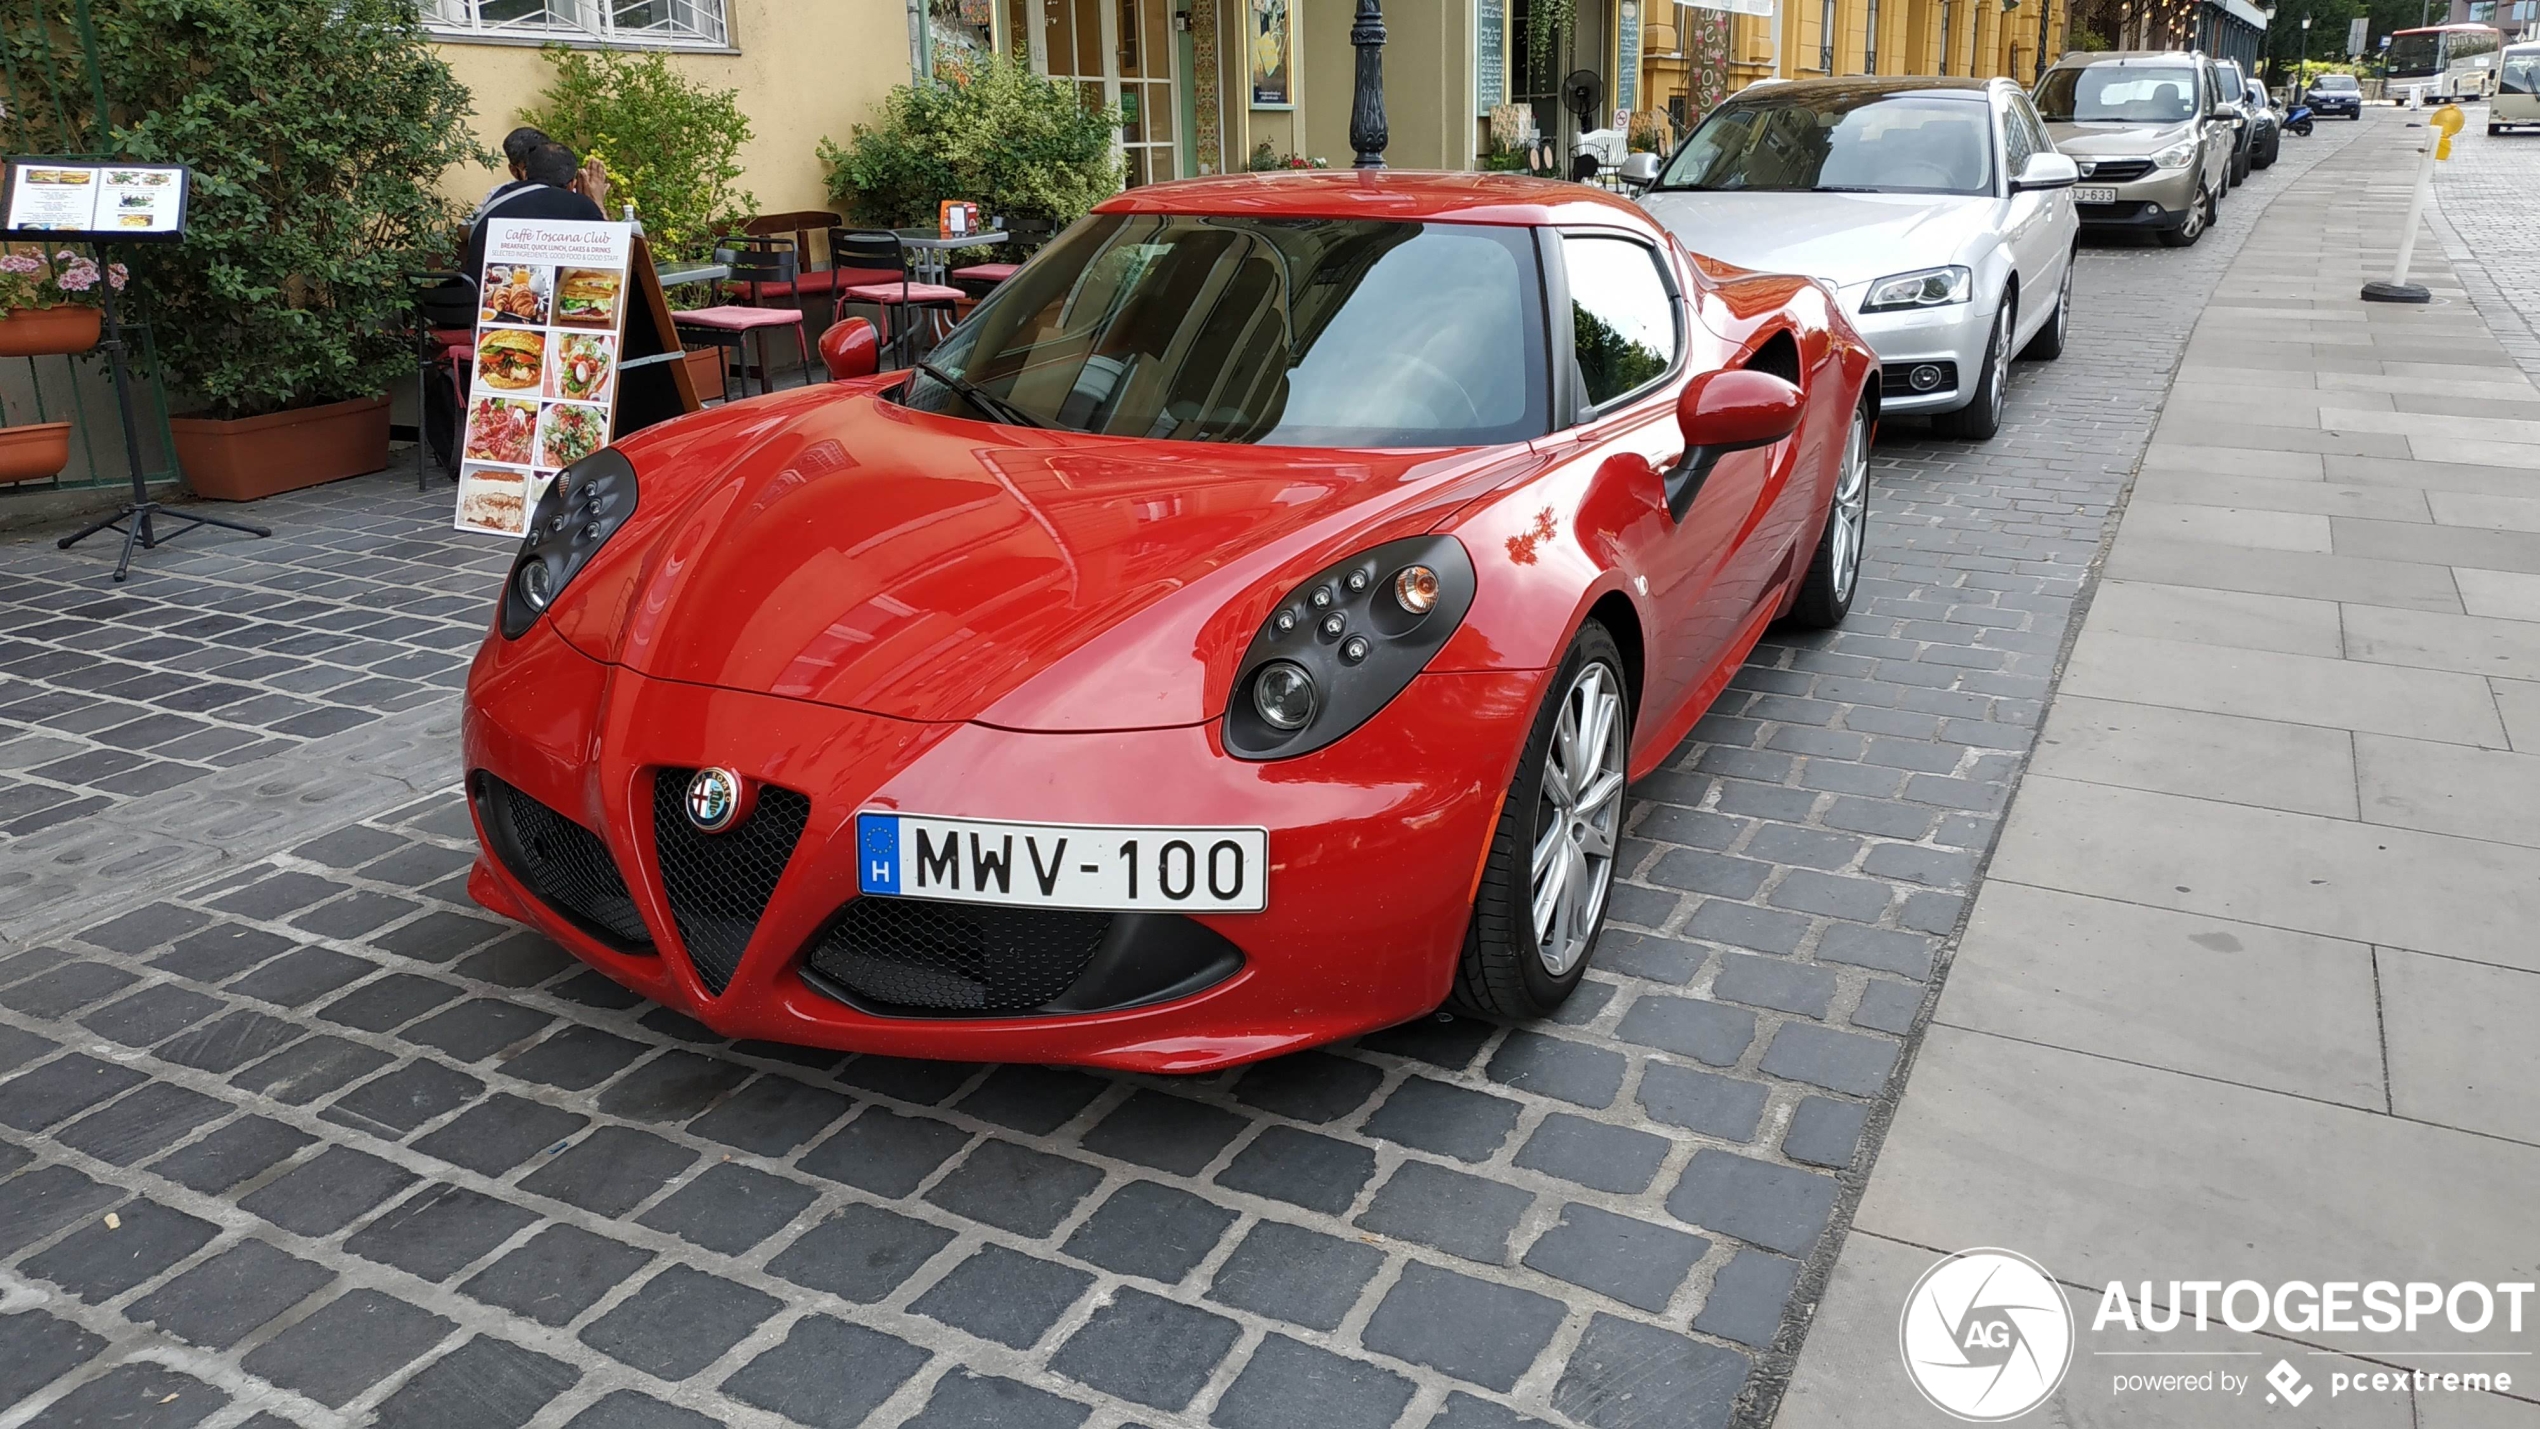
x,y
374,1156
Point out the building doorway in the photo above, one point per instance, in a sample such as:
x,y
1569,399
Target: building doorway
x,y
1120,52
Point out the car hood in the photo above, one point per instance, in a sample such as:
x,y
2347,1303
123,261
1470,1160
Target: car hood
x,y
2116,141
843,549
1846,239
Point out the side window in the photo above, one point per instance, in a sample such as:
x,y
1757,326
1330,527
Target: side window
x,y
2017,144
2037,136
1622,320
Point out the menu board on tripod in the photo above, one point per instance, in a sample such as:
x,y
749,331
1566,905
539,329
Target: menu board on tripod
x,y
551,322
91,201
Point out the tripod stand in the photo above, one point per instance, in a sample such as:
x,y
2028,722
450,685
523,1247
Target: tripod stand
x,y
134,520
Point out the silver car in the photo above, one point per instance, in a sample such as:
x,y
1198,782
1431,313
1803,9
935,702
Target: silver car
x,y
2154,135
1936,208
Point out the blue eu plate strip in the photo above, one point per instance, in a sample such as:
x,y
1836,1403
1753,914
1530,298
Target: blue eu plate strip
x,y
877,841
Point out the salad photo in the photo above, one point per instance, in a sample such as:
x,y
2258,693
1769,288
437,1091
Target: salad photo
x,y
570,433
582,367
499,429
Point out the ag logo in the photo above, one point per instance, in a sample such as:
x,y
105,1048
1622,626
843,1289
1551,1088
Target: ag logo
x,y
1986,1335
714,800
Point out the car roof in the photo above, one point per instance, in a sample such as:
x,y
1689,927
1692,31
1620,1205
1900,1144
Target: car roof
x,y
2078,58
1954,86
1401,195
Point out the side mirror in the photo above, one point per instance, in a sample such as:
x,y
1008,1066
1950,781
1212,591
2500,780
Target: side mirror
x,y
1641,169
1723,412
851,349
2046,170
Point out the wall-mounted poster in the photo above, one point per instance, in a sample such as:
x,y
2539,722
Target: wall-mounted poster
x,y
1270,55
550,322
84,198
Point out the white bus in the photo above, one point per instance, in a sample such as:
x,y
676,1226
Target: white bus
x,y
2517,100
2456,62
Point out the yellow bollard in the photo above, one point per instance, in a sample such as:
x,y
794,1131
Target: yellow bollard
x,y
2442,124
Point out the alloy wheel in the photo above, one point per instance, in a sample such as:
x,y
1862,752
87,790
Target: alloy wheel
x,y
2001,359
1851,508
1579,817
2194,228
2064,305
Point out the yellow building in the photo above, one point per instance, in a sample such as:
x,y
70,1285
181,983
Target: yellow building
x,y
1209,86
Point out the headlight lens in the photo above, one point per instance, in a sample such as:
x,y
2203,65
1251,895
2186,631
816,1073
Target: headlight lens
x,y
1922,288
1344,643
579,511
2176,156
1284,694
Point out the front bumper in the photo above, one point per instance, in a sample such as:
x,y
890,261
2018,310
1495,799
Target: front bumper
x,y
2334,106
1371,872
1949,338
2159,199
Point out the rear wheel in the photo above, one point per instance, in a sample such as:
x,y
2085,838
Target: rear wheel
x,y
1825,597
1542,898
2200,215
1982,416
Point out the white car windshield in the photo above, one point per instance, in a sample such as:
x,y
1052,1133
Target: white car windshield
x,y
2119,94
1841,141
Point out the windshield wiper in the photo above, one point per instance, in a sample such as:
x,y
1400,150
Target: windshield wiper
x,y
981,398
1846,189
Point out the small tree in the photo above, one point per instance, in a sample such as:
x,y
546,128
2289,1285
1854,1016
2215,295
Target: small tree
x,y
1017,144
672,146
317,131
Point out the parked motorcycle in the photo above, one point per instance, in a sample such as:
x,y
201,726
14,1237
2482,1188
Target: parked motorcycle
x,y
2299,121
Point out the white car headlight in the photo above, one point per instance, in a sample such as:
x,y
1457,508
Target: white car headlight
x,y
1922,288
2176,156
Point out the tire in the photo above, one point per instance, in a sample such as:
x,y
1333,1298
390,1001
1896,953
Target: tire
x,y
2048,344
2275,150
2239,168
1504,971
2200,216
1834,573
1982,416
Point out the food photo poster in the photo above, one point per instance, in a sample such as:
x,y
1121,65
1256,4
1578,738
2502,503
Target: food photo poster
x,y
551,317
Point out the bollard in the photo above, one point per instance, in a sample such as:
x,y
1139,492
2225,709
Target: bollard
x,y
2438,145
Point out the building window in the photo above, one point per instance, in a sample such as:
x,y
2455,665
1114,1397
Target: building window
x,y
687,24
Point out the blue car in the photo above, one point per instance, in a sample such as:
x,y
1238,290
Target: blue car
x,y
2335,94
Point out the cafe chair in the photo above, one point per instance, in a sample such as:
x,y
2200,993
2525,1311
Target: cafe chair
x,y
1025,236
901,301
445,310
811,282
754,260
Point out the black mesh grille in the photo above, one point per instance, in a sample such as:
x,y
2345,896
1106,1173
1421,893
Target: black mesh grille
x,y
564,863
2115,171
719,884
972,958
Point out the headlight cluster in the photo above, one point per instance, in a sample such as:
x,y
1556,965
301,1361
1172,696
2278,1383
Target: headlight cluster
x,y
2176,156
1922,288
581,509
1342,645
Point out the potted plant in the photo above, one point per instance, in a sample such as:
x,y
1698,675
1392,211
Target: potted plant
x,y
34,452
50,303
317,136
1017,144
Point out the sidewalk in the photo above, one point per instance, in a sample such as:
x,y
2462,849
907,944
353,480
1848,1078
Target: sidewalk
x,y
2251,988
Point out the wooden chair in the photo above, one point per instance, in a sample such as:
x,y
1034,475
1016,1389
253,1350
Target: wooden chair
x,y
758,264
899,298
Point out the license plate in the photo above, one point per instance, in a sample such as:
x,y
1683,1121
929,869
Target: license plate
x,y
1105,867
2094,195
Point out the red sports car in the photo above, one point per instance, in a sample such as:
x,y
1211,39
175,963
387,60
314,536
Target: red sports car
x,y
1236,635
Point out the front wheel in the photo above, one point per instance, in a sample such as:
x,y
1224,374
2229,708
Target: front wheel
x,y
2303,129
1825,596
2200,214
1982,416
1542,898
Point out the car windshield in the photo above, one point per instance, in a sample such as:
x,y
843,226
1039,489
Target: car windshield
x,y
2334,81
1841,141
1270,331
2521,74
2119,94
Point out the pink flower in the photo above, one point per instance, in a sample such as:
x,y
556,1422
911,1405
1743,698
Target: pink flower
x,y
77,278
118,276
20,263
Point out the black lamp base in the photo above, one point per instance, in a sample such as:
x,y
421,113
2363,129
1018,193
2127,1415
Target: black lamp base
x,y
2397,293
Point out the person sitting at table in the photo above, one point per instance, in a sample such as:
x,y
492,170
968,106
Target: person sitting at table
x,y
518,145
559,186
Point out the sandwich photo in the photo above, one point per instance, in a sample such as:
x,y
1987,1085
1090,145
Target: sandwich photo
x,y
587,297
510,358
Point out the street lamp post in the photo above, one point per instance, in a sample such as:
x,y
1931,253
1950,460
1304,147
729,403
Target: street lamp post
x,y
1367,101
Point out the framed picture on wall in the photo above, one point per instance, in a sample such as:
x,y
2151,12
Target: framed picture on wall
x,y
1270,55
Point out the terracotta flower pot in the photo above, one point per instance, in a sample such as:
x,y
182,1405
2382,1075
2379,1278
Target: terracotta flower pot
x,y
32,453
256,457
705,369
33,332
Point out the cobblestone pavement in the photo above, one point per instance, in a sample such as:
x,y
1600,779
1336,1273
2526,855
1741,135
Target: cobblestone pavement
x,y
2482,212
294,1136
